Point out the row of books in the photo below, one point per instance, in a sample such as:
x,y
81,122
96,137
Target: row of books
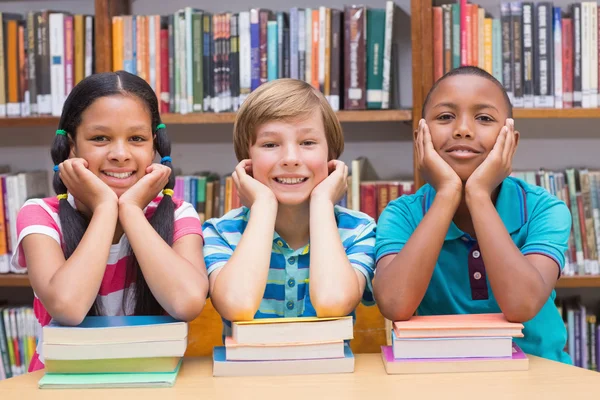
x,y
583,333
544,56
43,54
18,338
201,62
579,188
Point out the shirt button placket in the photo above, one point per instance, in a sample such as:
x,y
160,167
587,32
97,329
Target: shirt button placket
x,y
290,286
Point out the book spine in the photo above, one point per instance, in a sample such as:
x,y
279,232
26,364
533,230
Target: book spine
x,y
531,85
593,55
13,107
488,46
336,53
517,67
577,88
308,57
79,35
207,66
272,50
57,53
189,59
171,41
294,39
368,199
481,38
497,50
255,48
263,19
68,55
375,44
165,80
447,25
32,50
89,45
245,56
507,50
354,37
198,51
182,64
301,44
455,35
23,82
567,62
322,44
438,43
216,59
2,69
234,73
280,44
463,32
558,67
315,49
157,56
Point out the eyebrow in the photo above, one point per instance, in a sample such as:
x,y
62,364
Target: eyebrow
x,y
135,128
479,106
275,133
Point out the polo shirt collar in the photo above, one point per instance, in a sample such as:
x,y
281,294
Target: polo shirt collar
x,y
511,205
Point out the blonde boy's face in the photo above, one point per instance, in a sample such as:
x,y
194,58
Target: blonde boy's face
x,y
465,115
290,157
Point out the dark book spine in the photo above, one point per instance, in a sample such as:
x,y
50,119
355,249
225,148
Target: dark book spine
x,y
197,61
577,94
354,55
234,72
507,74
263,21
286,50
32,51
208,64
529,65
226,62
255,48
336,54
216,58
517,67
171,21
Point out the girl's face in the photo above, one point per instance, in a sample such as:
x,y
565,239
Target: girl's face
x,y
290,157
115,137
465,115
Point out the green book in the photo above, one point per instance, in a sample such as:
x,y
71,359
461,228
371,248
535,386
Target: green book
x,y
455,36
97,381
375,39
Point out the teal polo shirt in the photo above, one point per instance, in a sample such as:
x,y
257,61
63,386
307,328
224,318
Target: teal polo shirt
x,y
537,222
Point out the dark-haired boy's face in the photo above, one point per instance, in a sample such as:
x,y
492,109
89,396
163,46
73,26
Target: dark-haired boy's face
x,y
115,137
465,115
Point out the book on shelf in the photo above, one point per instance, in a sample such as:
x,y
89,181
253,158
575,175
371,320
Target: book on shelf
x,y
544,55
18,337
583,332
43,54
199,61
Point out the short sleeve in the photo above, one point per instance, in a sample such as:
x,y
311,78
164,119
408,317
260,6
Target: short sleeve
x,y
394,227
34,217
548,231
186,222
360,250
217,251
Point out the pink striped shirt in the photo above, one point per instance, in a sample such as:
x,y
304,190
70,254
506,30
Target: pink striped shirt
x,y
41,216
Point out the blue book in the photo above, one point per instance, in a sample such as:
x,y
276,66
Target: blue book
x,y
117,329
222,367
272,51
254,49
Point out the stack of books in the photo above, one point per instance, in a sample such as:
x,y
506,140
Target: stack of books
x,y
286,346
132,351
454,343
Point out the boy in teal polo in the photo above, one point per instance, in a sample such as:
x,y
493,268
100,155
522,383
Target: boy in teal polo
x,y
473,240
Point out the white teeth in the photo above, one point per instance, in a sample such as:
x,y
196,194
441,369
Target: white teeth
x,y
122,175
462,151
290,181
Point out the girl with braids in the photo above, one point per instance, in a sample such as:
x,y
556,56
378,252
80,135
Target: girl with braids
x,y
113,241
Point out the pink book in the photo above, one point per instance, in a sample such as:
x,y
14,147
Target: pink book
x,y
518,362
463,32
470,325
69,49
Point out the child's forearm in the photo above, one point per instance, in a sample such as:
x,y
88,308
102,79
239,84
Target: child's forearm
x,y
334,285
400,284
178,285
240,284
72,290
518,287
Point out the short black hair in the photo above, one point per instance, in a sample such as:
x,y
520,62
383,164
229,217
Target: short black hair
x,y
469,70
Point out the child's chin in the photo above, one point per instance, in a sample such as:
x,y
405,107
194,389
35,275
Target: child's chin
x,y
289,199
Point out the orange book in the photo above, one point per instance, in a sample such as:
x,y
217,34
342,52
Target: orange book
x,y
118,46
469,33
79,64
12,61
22,66
315,49
469,325
487,45
474,35
438,44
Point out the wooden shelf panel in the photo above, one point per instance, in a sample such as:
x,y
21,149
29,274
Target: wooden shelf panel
x,y
14,280
579,282
224,118
535,113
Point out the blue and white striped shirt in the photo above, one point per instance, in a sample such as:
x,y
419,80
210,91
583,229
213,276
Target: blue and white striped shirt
x,y
287,292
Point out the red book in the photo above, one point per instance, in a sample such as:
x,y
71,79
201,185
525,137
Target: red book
x,y
368,198
567,62
463,32
438,44
164,70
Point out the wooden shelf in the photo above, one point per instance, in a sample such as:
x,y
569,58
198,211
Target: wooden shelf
x,y
535,113
14,280
344,116
578,282
224,118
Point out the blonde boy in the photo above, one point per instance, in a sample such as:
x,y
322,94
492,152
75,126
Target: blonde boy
x,y
290,251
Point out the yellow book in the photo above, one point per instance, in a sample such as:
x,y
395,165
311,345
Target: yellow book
x,y
117,38
487,46
79,65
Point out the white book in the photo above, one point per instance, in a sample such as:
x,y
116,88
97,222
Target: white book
x,y
189,60
322,32
182,62
284,351
457,347
89,45
163,348
387,54
594,54
309,35
294,43
152,51
57,62
245,59
558,87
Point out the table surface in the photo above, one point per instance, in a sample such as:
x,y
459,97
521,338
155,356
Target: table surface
x,y
545,380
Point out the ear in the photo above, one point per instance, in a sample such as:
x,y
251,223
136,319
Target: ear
x,y
517,136
72,150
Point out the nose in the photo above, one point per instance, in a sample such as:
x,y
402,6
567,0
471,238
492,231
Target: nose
x,y
290,156
119,151
463,129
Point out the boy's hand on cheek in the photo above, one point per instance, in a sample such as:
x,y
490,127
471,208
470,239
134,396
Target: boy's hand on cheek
x,y
335,185
250,190
432,167
497,165
84,185
147,188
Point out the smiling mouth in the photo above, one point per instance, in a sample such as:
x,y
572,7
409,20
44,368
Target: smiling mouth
x,y
120,175
290,181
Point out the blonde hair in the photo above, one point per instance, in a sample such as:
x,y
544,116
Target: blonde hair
x,y
284,100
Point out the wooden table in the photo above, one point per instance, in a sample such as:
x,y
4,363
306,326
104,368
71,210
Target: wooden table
x,y
544,380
